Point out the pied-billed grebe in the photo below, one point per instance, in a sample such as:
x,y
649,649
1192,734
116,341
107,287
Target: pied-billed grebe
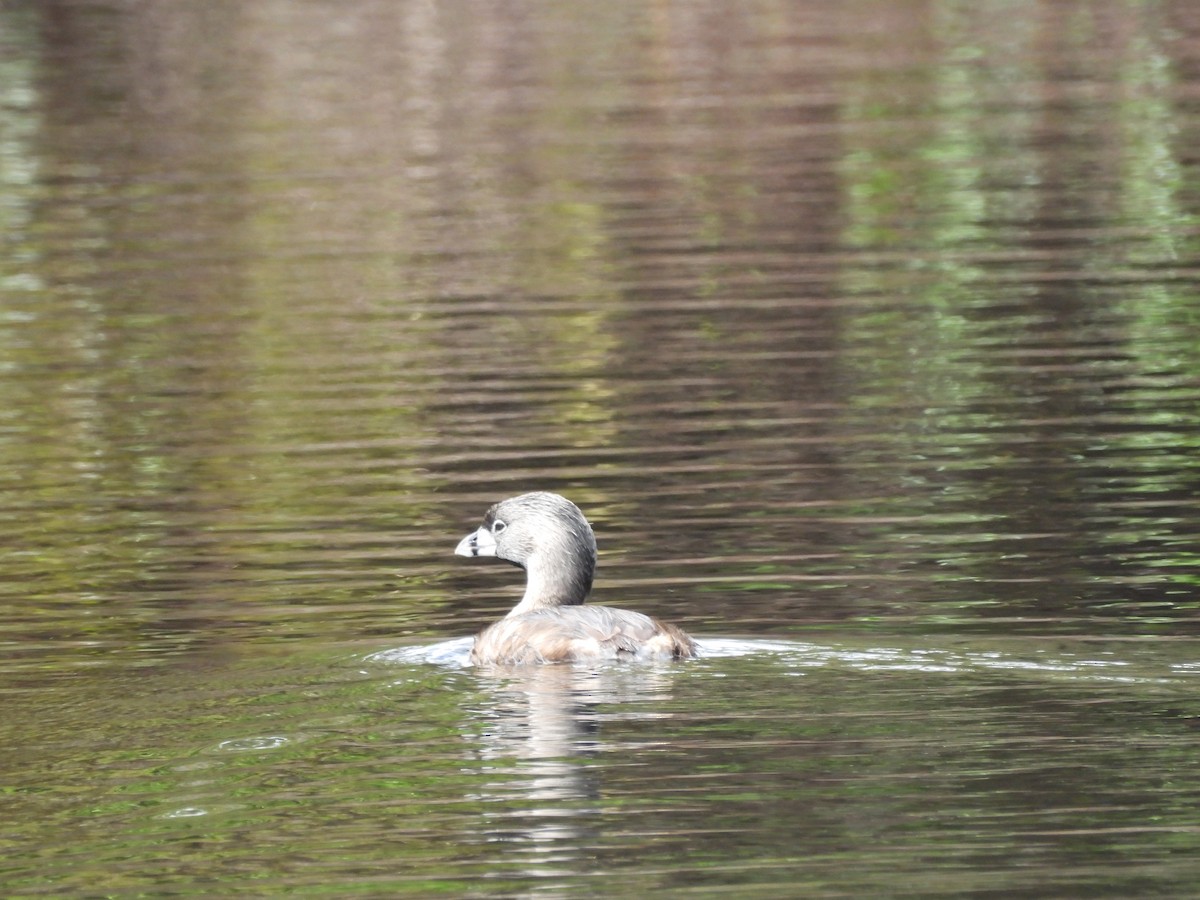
x,y
548,537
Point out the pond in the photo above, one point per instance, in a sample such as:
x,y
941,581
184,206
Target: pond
x,y
866,335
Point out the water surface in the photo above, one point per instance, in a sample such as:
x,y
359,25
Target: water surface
x,y
865,334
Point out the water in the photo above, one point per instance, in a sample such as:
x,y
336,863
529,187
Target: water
x,y
865,335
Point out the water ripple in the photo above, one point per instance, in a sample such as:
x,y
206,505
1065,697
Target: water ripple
x,y
802,655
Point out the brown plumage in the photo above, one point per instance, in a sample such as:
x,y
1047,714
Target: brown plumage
x,y
547,535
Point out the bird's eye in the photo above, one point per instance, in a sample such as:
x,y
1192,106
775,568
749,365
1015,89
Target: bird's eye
x,y
498,526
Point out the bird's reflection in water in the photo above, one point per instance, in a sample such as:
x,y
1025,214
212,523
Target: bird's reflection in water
x,y
539,735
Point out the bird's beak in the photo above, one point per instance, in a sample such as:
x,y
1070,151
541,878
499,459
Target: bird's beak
x,y
477,543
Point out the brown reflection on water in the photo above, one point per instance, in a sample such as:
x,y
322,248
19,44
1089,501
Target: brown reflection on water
x,y
889,280
910,278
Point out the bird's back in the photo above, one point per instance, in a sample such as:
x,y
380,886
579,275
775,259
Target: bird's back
x,y
569,633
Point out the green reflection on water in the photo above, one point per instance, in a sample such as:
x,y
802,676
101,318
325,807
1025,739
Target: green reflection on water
x,y
1092,444
309,771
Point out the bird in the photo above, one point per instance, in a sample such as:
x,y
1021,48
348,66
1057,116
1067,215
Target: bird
x,y
547,535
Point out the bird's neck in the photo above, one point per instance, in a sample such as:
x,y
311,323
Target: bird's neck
x,y
551,584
